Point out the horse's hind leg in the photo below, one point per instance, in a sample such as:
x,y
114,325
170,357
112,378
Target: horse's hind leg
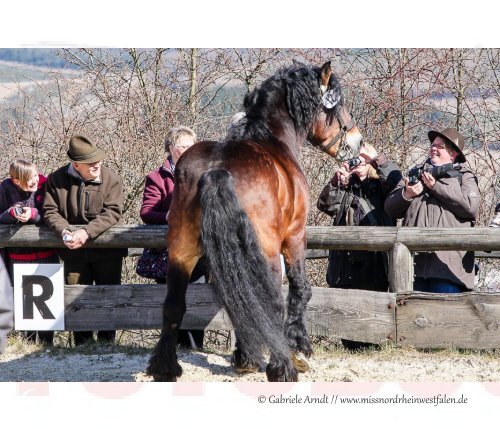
x,y
298,296
280,366
241,361
163,364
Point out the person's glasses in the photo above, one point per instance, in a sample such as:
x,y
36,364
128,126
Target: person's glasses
x,y
438,146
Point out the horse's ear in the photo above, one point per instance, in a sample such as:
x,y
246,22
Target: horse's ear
x,y
326,72
330,96
297,63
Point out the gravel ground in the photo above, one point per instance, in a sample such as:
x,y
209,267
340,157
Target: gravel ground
x,y
125,364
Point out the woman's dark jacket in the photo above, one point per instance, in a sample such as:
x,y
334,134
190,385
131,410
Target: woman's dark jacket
x,y
157,196
11,195
361,203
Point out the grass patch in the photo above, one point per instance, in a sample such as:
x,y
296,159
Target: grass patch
x,y
219,343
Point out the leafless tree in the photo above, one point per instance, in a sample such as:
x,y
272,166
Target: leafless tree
x,y
126,99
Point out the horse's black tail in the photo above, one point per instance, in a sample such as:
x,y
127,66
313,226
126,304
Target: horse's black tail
x,y
242,276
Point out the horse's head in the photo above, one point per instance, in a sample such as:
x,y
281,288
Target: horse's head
x,y
333,129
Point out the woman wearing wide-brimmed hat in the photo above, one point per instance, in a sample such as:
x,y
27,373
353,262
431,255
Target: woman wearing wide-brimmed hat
x,y
448,201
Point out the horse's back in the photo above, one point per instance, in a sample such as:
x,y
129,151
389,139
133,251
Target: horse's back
x,y
268,183
249,163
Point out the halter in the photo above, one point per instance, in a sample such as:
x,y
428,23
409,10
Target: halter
x,y
345,151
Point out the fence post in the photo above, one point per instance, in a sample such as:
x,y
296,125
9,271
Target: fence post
x,y
400,268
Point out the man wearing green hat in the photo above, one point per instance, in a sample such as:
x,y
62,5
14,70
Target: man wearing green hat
x,y
449,200
85,193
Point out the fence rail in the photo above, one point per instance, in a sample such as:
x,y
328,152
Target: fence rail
x,y
318,237
399,241
469,320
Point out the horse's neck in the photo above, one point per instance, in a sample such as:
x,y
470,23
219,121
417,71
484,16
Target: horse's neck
x,y
287,135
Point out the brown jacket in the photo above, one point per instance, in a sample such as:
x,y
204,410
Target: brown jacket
x,y
71,201
451,203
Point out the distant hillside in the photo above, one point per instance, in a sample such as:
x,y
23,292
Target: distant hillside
x,y
15,72
41,57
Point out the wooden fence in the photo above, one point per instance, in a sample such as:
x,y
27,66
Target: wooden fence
x,y
468,320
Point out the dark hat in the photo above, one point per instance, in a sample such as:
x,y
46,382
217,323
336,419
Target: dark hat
x,y
84,151
453,137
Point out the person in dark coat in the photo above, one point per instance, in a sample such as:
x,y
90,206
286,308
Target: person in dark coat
x,y
84,192
157,197
355,197
451,201
21,202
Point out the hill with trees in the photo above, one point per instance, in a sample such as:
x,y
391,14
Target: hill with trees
x,y
41,57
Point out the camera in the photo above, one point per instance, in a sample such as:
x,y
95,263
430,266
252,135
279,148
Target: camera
x,y
353,163
18,210
67,236
450,170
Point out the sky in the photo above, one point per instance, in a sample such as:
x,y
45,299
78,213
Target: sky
x,y
256,23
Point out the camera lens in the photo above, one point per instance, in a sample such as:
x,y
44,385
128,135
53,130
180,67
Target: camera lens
x,y
354,162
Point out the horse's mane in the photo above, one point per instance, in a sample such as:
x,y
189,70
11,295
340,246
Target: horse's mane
x,y
295,89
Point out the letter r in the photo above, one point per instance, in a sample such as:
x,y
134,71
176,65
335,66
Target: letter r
x,y
29,300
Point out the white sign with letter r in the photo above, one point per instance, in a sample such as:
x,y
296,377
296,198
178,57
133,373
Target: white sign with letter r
x,y
39,297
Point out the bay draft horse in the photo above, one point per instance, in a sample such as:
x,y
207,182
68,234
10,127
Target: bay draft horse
x,y
241,203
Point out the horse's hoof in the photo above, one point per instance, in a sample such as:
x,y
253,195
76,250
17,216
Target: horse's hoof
x,y
281,374
164,378
243,365
246,369
300,362
159,374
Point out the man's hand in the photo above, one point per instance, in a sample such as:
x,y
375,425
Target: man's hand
x,y
78,239
428,180
412,191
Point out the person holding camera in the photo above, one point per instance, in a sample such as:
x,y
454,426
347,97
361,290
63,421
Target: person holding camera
x,y
442,197
84,199
21,202
355,197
